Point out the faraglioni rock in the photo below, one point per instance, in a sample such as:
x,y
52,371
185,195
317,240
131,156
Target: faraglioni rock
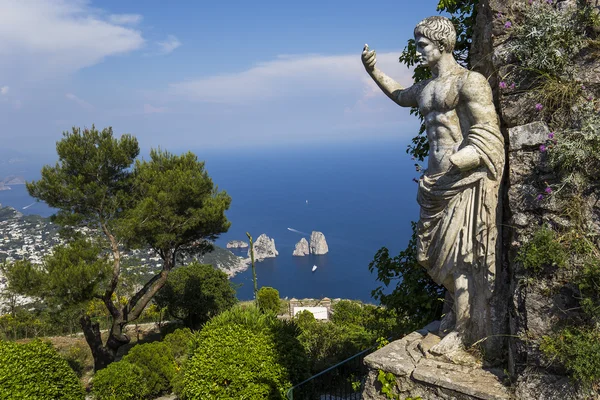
x,y
264,247
237,244
301,248
318,244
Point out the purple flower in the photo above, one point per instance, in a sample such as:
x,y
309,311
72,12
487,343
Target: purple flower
x,y
549,1
499,15
551,135
530,2
582,87
590,98
548,190
540,197
512,86
508,25
539,107
543,148
502,85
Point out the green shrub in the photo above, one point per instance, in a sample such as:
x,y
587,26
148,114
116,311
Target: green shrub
x,y
233,362
347,312
268,299
542,250
194,293
547,38
244,354
157,364
36,371
179,342
578,349
120,381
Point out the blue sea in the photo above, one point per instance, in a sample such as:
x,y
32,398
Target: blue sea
x,y
360,195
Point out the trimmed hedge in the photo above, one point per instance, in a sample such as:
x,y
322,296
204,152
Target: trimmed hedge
x,y
36,371
244,354
120,381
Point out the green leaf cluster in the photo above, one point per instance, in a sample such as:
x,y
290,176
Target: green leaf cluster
x,y
196,292
177,208
268,300
90,183
578,349
415,298
36,371
244,354
72,274
120,381
542,250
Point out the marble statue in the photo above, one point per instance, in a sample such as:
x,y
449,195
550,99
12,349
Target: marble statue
x,y
458,192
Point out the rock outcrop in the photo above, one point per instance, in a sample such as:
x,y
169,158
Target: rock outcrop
x,y
318,244
264,247
237,244
301,248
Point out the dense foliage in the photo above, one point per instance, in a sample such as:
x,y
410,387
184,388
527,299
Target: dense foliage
x,y
268,299
168,204
196,292
36,371
542,250
120,381
578,350
243,353
147,371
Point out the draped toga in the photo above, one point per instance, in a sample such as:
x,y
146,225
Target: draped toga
x,y
457,230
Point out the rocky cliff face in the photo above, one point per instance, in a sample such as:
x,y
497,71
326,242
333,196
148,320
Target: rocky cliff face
x,y
318,244
264,247
536,305
301,248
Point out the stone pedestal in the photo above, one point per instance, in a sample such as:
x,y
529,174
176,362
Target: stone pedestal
x,y
458,375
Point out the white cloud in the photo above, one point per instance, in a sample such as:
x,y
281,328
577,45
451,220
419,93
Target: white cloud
x,y
168,45
125,19
4,90
150,109
49,38
82,103
288,76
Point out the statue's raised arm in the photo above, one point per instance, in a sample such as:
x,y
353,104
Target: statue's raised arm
x,y
401,96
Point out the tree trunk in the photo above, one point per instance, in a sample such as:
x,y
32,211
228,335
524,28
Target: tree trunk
x,y
103,354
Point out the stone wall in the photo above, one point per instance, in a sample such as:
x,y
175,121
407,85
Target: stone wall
x,y
535,305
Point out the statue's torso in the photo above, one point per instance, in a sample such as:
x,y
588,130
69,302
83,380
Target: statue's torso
x,y
439,103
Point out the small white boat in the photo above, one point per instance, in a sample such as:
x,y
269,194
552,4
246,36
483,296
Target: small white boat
x,y
314,268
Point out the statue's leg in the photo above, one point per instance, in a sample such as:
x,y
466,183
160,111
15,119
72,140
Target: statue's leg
x,y
462,307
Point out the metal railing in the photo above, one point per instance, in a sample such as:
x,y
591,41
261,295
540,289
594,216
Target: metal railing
x,y
343,381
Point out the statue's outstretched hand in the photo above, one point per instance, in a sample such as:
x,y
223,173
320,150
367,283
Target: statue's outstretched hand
x,y
368,58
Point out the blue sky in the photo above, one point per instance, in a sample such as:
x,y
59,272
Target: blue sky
x,y
202,74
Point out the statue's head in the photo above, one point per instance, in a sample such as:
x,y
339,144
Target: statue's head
x,y
439,30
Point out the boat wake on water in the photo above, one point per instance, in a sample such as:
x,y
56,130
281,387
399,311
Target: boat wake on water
x,y
297,231
26,207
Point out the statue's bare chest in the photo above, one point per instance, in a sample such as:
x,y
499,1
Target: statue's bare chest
x,y
439,94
